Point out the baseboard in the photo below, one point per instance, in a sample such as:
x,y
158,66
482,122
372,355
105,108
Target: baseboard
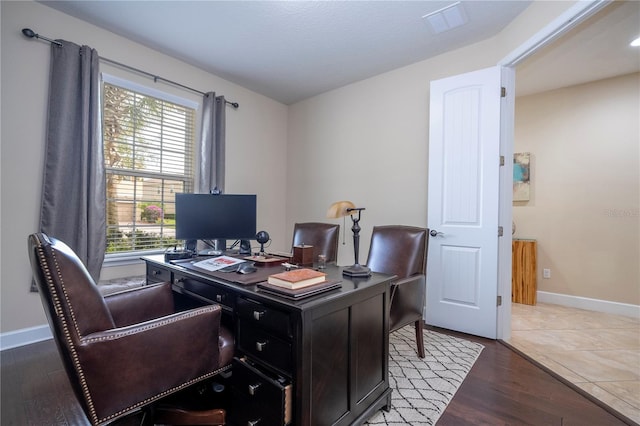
x,y
25,336
597,305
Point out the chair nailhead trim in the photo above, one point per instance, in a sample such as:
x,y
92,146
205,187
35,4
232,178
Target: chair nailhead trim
x,y
65,328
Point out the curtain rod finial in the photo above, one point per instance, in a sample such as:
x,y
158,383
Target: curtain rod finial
x,y
28,32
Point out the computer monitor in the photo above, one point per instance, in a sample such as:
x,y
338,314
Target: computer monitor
x,y
215,217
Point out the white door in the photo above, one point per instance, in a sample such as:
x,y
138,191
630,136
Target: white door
x,y
463,209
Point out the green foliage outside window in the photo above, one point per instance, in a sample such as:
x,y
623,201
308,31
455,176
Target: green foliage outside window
x,y
138,240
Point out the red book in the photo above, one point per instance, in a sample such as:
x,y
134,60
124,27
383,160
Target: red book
x,y
297,278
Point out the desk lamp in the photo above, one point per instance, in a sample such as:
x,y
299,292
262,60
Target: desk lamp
x,y
347,208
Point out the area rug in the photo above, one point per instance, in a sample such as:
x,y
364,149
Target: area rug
x,y
422,388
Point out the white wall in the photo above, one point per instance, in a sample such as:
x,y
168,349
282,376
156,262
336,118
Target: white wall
x,y
584,209
256,138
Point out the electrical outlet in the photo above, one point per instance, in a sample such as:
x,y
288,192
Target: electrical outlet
x,y
546,273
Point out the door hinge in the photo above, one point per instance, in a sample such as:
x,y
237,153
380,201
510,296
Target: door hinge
x,y
500,231
503,92
502,160
499,300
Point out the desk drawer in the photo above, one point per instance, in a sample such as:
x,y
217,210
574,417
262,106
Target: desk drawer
x,y
266,317
156,274
258,398
208,291
264,346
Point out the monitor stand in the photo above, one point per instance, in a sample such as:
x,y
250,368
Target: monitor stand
x,y
245,247
191,245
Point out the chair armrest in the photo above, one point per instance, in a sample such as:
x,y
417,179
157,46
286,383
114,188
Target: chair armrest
x,y
140,304
414,281
131,366
407,301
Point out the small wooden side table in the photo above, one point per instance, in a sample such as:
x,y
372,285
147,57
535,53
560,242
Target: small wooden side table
x,y
523,275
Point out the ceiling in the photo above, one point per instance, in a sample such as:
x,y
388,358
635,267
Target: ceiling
x,y
292,50
597,48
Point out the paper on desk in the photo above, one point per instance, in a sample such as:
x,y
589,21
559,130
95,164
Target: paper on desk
x,y
217,263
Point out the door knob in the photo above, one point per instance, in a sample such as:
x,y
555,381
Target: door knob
x,y
435,233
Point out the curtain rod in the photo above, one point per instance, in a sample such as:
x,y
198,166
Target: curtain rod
x,y
28,32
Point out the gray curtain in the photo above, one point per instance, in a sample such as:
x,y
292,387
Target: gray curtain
x,y
73,193
212,145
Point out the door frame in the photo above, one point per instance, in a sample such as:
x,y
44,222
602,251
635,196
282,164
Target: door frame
x,y
572,17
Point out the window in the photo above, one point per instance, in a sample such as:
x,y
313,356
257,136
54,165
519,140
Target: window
x,y
148,150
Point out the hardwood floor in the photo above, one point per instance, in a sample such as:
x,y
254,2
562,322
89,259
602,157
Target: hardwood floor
x,y
503,388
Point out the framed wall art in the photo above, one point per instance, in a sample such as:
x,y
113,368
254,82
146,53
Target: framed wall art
x,y
521,176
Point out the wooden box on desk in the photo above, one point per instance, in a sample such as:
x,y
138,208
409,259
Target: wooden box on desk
x,y
303,255
523,274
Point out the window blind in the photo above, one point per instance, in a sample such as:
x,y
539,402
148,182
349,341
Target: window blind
x,y
148,147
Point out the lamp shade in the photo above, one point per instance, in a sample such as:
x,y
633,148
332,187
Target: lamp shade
x,y
340,209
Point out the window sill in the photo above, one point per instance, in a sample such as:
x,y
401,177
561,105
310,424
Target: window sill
x,y
129,258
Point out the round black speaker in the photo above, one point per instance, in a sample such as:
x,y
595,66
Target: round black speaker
x,y
262,237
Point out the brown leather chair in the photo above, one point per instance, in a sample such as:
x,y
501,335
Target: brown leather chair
x,y
402,251
127,350
322,236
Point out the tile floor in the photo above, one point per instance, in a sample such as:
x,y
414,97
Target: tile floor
x,y
598,352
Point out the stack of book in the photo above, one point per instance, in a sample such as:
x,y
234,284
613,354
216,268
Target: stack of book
x,y
298,283
297,278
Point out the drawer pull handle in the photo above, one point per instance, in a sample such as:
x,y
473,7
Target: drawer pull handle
x,y
253,422
157,272
261,345
254,388
257,315
219,297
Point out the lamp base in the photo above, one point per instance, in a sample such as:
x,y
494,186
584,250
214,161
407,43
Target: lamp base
x,y
356,271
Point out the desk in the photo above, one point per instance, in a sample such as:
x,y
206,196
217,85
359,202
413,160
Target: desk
x,y
316,361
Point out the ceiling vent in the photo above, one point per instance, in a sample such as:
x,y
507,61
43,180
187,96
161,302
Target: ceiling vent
x,y
447,18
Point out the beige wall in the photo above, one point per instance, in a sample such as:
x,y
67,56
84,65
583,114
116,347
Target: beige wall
x,y
368,142
584,209
256,136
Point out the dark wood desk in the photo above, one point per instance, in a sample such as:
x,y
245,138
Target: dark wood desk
x,y
317,361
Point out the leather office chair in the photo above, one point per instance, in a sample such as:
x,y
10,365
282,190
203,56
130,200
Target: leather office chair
x,y
127,350
402,251
322,236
